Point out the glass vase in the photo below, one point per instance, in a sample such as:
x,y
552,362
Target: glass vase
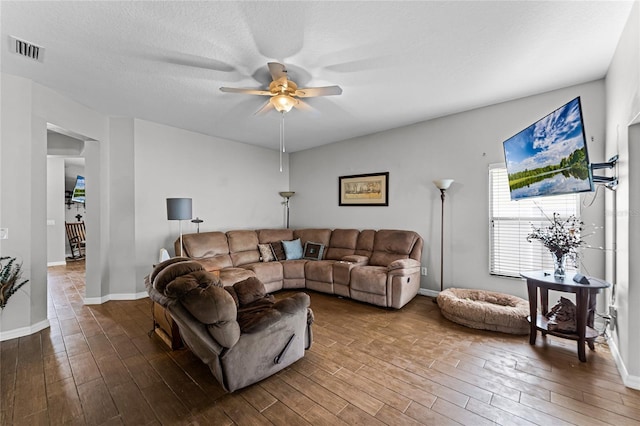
x,y
559,264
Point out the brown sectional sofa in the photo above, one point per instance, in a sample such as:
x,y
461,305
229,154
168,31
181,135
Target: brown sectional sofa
x,y
379,267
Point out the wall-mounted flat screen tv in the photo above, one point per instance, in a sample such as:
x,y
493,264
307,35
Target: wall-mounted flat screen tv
x,y
78,190
550,156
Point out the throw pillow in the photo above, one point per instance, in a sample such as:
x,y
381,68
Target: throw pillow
x,y
278,250
292,249
313,251
266,254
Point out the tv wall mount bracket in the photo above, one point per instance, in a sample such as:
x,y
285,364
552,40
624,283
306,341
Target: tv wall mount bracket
x,y
611,182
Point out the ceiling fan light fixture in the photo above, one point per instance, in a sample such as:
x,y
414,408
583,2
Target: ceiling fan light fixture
x,y
283,103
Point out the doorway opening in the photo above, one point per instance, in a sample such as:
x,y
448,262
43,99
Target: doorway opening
x,y
66,203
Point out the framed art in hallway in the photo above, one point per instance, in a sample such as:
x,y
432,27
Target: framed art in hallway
x,y
364,190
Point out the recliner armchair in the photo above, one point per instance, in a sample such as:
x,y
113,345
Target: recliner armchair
x,y
240,332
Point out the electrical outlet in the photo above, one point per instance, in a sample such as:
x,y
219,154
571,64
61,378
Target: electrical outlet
x,y
4,233
423,271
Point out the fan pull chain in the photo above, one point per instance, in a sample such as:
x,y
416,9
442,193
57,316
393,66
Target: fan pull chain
x,y
281,140
283,150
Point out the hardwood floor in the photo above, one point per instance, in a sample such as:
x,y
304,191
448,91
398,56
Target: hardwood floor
x,y
96,365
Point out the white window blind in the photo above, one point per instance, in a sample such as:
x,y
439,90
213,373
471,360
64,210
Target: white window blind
x,y
511,221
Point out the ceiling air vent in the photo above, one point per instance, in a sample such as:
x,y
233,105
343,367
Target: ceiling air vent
x,y
26,49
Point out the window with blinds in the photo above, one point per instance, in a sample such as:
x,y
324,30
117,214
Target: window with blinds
x,y
510,221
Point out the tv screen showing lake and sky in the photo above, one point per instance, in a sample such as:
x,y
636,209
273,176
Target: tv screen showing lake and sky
x,y
550,156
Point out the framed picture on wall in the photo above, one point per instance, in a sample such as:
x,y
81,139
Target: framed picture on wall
x,y
364,190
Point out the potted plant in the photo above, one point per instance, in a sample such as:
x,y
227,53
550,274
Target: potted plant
x,y
10,279
562,237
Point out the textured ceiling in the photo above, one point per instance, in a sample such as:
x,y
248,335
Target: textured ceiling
x,y
397,62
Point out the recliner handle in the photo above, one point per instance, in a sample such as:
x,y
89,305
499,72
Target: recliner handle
x,y
278,358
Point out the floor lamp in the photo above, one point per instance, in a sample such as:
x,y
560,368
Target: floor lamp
x,y
179,209
442,185
286,195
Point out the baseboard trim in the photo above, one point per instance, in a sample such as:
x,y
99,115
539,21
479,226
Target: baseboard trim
x,y
629,381
24,331
116,296
428,293
96,300
60,263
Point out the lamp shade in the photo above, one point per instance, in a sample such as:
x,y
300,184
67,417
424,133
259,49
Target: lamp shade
x,y
179,209
443,183
287,194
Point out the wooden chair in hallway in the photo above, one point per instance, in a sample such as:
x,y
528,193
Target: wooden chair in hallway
x,y
77,238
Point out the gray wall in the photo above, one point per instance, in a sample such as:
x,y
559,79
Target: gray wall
x,y
460,147
56,233
623,209
26,109
233,186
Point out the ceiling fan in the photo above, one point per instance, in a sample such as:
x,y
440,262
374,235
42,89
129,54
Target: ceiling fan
x,y
284,92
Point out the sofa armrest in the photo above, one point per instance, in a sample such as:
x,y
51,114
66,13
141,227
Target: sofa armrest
x,y
156,296
403,264
357,259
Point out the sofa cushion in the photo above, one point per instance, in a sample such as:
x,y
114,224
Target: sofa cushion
x,y
267,272
266,254
258,321
230,276
209,248
390,245
293,304
343,242
243,247
322,235
321,271
216,263
293,268
364,246
249,290
292,249
273,235
369,279
205,244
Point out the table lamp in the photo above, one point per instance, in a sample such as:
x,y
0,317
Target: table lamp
x,y
179,209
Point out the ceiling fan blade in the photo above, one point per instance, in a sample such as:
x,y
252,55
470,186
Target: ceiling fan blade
x,y
277,70
245,91
303,106
264,109
309,92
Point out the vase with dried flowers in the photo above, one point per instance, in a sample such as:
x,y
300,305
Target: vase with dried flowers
x,y
10,279
562,237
